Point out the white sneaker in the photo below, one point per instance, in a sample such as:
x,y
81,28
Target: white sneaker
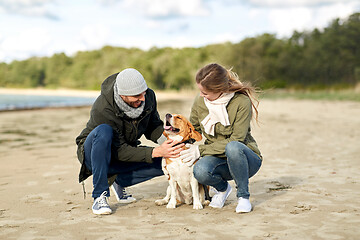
x,y
101,206
244,205
212,191
218,200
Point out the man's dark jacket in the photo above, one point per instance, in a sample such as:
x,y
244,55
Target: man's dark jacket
x,y
127,131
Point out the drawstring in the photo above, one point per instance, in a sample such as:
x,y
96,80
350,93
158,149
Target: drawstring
x,y
83,186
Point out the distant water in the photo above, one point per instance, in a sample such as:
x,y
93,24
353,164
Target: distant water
x,y
21,102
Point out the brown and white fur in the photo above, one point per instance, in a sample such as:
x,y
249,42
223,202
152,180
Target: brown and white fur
x,y
183,187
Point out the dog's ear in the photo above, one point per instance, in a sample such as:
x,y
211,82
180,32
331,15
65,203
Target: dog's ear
x,y
193,133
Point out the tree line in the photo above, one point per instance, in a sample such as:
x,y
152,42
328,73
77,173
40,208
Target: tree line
x,y
317,59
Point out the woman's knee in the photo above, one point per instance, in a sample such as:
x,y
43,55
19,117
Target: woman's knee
x,y
234,147
198,170
201,171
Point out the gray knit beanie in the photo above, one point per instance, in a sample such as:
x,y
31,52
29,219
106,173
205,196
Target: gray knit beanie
x,y
130,82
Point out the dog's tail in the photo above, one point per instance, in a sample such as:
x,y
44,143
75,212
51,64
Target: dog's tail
x,y
206,190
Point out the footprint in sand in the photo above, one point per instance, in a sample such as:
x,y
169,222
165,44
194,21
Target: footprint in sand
x,y
35,197
32,183
57,173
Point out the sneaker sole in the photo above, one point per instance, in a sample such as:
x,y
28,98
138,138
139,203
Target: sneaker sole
x,y
243,211
102,212
129,200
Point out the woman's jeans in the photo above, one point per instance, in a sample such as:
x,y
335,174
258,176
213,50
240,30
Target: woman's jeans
x,y
241,164
98,159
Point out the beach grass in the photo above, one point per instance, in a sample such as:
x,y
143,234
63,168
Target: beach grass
x,y
331,95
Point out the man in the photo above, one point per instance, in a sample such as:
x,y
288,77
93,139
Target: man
x,y
109,145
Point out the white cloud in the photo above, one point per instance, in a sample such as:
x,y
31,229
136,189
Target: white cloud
x,y
286,21
295,3
152,24
168,9
33,8
94,36
225,37
108,2
338,10
31,42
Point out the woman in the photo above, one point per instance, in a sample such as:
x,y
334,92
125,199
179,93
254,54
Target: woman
x,y
222,113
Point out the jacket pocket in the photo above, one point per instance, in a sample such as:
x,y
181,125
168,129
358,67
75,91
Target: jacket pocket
x,y
223,130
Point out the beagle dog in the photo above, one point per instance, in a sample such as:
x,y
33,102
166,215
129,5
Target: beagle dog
x,y
183,187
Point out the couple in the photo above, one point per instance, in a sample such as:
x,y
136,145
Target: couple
x,y
108,148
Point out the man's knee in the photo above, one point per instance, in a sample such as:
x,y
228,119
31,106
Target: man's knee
x,y
104,128
104,133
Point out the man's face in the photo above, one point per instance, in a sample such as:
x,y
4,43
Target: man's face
x,y
134,101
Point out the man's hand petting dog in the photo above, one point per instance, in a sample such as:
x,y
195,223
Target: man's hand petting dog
x,y
168,149
190,155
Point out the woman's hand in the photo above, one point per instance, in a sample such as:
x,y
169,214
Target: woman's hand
x,y
191,154
168,149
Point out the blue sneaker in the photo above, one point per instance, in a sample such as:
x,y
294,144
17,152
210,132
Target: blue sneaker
x,y
101,205
121,195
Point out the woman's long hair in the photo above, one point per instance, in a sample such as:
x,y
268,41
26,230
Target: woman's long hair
x,y
215,78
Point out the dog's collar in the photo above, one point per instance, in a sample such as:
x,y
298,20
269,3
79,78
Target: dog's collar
x,y
190,140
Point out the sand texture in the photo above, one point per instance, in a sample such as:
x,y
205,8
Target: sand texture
x,y
307,188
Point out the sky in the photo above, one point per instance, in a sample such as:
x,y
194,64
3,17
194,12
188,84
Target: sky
x,y
40,28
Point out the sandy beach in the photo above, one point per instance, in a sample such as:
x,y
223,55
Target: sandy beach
x,y
307,188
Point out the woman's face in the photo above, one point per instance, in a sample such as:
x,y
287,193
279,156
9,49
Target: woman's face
x,y
211,96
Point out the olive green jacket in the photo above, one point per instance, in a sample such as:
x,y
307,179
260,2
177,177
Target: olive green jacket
x,y
240,112
127,131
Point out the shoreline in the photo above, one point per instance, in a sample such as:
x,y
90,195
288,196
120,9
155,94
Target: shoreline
x,y
34,99
160,94
43,108
49,92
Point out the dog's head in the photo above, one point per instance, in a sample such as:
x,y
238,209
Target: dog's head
x,y
179,128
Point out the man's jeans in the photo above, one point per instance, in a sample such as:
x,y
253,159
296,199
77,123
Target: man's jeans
x,y
241,164
98,159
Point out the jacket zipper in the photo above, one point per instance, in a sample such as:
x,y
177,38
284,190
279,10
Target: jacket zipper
x,y
137,122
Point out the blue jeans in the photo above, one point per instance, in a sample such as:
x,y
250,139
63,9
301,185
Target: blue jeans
x,y
240,164
98,159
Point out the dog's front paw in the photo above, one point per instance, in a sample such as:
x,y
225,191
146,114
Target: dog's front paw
x,y
197,206
161,202
206,203
171,204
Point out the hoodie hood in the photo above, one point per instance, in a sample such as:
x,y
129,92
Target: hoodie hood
x,y
107,89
